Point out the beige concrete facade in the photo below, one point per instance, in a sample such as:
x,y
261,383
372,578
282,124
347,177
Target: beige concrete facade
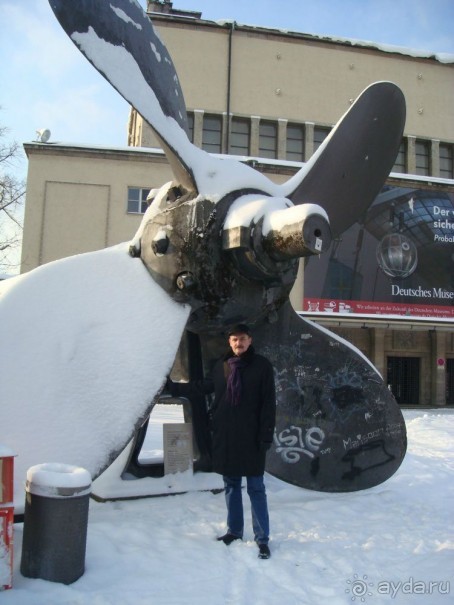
x,y
77,196
298,78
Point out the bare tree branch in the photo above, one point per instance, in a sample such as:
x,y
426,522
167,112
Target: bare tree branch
x,y
12,192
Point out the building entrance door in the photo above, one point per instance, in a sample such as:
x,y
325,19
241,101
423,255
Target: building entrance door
x,y
403,378
450,381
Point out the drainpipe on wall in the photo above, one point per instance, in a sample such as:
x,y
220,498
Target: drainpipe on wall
x,y
229,80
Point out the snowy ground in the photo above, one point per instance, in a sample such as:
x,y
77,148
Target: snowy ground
x,y
392,543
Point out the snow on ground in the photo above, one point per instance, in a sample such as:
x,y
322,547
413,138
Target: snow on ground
x,y
389,544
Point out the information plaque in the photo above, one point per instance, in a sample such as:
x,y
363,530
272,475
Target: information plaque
x,y
178,453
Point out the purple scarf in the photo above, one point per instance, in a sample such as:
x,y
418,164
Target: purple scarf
x,y
234,385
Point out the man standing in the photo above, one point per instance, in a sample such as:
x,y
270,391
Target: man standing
x,y
243,419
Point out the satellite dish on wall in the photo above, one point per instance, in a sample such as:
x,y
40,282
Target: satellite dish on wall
x,y
43,135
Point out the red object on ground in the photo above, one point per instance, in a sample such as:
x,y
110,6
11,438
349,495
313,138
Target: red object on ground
x,y
6,519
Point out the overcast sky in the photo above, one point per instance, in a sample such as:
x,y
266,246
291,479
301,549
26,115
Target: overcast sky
x,y
47,83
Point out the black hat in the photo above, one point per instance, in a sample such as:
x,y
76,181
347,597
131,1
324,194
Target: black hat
x,y
239,329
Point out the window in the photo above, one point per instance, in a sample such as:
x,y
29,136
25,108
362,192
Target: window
x,y
399,164
137,200
190,126
422,152
211,136
320,134
446,163
240,132
267,139
295,143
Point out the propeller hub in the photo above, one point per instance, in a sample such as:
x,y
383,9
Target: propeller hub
x,y
233,259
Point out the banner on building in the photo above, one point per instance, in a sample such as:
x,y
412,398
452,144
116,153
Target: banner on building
x,y
397,259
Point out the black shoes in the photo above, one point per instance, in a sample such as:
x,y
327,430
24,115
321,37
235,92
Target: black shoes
x,y
264,551
228,539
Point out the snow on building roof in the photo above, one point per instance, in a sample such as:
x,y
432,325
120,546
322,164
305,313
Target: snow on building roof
x,y
387,48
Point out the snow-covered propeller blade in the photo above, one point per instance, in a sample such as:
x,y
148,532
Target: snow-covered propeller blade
x,y
346,173
117,37
86,344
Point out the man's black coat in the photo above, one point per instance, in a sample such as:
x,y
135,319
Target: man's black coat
x,y
242,433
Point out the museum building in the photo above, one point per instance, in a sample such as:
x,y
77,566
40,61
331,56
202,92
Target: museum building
x,y
270,98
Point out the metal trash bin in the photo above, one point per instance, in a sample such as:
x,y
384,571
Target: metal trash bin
x,y
55,522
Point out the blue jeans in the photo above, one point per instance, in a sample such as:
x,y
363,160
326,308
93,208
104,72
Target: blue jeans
x,y
259,507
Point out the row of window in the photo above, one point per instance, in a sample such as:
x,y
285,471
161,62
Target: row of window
x,y
423,159
240,143
240,137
